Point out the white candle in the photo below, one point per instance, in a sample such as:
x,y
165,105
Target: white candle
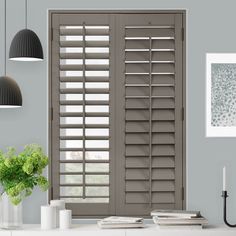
x,y
65,219
224,178
60,205
48,217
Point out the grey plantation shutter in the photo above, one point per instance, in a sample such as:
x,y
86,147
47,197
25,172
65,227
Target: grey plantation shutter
x,y
83,115
151,94
117,98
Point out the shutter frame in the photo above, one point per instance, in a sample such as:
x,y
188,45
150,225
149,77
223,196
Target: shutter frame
x,y
117,100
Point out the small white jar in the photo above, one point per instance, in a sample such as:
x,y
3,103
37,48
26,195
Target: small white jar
x,y
65,219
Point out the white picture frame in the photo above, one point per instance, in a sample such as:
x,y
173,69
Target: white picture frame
x,y
220,75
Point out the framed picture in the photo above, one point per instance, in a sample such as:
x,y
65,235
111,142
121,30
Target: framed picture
x,y
221,95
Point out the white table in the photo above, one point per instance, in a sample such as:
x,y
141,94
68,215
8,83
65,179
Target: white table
x,y
5,233
153,230
93,230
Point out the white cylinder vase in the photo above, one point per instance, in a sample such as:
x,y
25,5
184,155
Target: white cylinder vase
x,y
48,217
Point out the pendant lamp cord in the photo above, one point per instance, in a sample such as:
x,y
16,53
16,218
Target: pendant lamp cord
x,y
26,13
5,38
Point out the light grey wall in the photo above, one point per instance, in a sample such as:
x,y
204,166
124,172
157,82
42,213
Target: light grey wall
x,y
210,28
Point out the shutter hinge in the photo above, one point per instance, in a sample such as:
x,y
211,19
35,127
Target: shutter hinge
x,y
51,113
51,34
183,113
51,192
182,193
183,34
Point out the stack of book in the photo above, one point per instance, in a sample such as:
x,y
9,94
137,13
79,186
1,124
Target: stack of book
x,y
178,219
120,222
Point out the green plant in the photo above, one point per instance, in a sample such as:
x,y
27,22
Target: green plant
x,y
19,174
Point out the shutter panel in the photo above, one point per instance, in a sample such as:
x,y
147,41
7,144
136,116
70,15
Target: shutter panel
x,y
152,98
83,113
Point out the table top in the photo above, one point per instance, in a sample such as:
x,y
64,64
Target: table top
x,y
94,227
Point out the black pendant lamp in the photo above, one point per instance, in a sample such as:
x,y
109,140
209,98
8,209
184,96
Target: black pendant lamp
x,y
10,94
26,45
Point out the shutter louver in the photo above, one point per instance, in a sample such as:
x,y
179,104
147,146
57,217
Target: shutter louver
x,y
81,163
150,103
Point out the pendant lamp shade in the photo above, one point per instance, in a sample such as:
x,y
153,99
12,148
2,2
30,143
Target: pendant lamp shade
x,y
26,46
10,94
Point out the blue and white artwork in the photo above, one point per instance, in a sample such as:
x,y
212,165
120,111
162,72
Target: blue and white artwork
x,y
221,95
